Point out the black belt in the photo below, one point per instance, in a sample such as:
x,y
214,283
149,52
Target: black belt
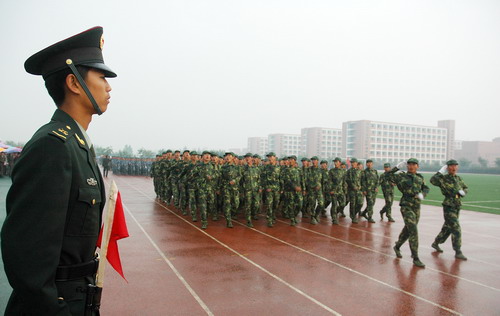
x,y
77,271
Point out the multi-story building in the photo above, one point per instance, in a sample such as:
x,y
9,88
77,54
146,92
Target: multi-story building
x,y
450,127
322,142
394,141
473,150
284,144
257,145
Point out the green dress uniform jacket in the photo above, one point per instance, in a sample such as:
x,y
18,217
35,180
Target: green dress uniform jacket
x,y
54,209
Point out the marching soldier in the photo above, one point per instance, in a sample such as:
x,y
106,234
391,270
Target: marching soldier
x,y
353,180
454,189
387,184
326,186
293,186
251,188
412,186
230,179
314,187
203,176
271,184
183,190
304,174
369,187
336,190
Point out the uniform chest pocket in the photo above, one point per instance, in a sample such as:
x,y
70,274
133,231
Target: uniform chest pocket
x,y
85,216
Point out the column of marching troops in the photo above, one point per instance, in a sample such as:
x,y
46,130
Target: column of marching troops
x,y
209,185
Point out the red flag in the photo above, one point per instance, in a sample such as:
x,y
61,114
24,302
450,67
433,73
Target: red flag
x,y
118,231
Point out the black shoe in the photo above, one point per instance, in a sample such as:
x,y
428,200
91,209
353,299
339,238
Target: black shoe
x,y
371,220
381,215
397,251
435,245
390,219
460,255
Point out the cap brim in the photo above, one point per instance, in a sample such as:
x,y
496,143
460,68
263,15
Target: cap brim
x,y
100,66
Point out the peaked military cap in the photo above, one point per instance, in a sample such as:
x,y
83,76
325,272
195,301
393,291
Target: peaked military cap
x,y
452,162
84,49
412,160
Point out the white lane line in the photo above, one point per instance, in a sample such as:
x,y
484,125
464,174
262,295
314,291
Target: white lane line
x,y
243,257
169,263
357,272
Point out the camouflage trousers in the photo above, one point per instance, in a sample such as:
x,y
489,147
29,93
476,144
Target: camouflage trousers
x,y
156,184
168,192
175,193
230,202
192,200
355,203
371,197
205,200
305,204
293,203
327,197
183,197
411,216
316,196
389,199
451,227
336,206
272,202
341,202
252,203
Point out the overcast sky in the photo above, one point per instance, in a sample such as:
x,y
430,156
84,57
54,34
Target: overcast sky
x,y
213,73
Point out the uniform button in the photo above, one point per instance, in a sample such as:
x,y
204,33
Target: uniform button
x,y
93,201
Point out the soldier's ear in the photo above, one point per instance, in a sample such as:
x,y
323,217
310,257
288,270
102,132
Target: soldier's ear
x,y
72,84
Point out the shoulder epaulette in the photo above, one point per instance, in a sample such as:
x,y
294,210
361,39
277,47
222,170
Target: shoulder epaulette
x,y
63,132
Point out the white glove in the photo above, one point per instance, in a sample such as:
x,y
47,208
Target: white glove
x,y
461,192
443,170
420,196
402,165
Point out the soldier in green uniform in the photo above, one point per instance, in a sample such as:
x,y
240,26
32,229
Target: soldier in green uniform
x,y
353,180
412,186
369,187
155,175
203,175
175,171
230,179
251,186
314,187
258,165
55,203
454,189
191,184
304,171
182,183
293,186
344,199
326,186
216,189
387,184
271,185
336,176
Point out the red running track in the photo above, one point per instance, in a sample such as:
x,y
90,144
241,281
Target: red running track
x,y
175,268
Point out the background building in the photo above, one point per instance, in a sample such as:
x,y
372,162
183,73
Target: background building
x,y
473,150
320,141
258,145
394,141
450,127
284,144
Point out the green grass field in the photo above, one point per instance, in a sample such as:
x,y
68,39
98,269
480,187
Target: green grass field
x,y
483,196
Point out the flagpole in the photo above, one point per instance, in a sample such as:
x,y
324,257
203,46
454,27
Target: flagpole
x,y
108,224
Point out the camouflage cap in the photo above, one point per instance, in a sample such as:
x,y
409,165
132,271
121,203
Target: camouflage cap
x,y
451,162
239,157
256,156
314,158
323,161
169,151
387,165
271,154
307,159
229,153
292,157
337,159
369,160
354,160
177,151
206,152
248,155
413,160
185,151
284,158
194,153
303,159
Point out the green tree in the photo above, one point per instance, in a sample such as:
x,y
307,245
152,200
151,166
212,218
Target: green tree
x,y
483,162
145,153
497,162
464,162
127,151
102,151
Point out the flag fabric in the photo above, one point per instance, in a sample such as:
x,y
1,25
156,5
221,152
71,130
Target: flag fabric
x,y
118,231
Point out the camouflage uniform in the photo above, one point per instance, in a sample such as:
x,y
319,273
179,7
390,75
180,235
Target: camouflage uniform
x,y
353,180
450,186
270,179
314,187
410,186
325,187
369,186
337,181
175,173
387,183
304,171
155,176
230,179
204,175
293,186
250,183
183,189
